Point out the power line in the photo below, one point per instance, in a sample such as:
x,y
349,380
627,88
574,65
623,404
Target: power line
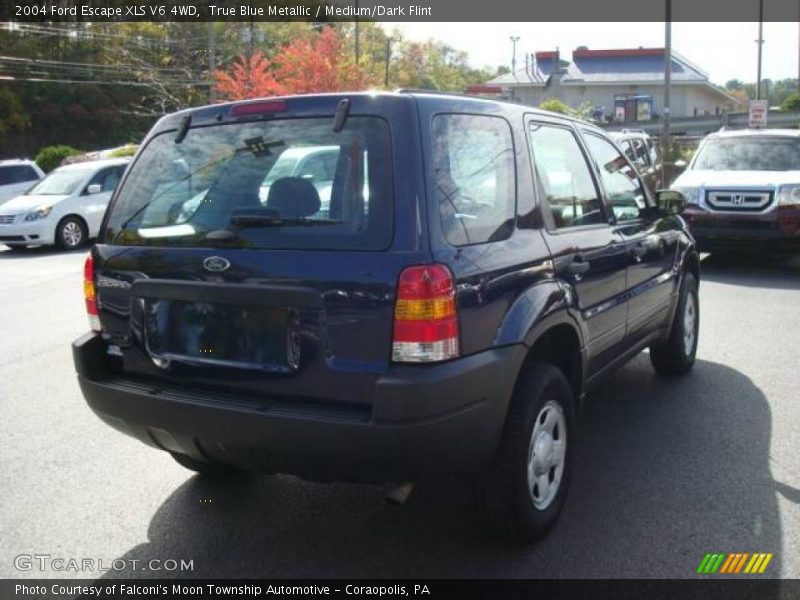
x,y
68,64
98,82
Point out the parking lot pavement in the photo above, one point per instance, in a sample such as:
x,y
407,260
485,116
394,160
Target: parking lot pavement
x,y
666,470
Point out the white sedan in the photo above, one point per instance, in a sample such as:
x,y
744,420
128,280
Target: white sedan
x,y
65,208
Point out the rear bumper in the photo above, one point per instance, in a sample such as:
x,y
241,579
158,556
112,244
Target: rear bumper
x,y
424,421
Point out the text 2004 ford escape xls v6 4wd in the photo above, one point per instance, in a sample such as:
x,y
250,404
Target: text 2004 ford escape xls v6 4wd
x,y
476,266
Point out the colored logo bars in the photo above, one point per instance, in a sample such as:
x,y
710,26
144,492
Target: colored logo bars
x,y
738,562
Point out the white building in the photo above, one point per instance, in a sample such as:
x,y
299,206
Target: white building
x,y
620,85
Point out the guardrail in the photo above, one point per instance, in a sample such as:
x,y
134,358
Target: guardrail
x,y
708,123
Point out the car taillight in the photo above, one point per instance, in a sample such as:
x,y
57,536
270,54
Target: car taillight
x,y
258,108
425,319
89,294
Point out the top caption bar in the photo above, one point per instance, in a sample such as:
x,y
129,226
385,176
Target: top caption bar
x,y
393,10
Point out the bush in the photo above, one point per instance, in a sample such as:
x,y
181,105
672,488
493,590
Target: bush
x,y
791,103
554,105
127,150
50,157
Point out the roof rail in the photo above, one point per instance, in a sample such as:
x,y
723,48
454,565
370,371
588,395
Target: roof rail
x,y
433,92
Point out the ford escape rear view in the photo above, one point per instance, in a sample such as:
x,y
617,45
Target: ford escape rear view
x,y
381,287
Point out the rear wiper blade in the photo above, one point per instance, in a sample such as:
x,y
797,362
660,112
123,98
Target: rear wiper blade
x,y
269,221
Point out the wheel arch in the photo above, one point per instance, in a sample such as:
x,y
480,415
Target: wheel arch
x,y
75,216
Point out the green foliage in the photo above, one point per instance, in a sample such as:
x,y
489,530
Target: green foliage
x,y
127,150
584,111
776,92
792,102
50,157
556,106
12,115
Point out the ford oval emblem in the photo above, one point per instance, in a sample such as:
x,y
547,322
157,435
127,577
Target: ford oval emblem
x,y
216,264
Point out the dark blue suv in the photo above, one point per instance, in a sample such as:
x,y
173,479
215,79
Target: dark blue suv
x,y
381,287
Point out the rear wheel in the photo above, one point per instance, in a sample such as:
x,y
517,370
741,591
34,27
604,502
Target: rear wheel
x,y
676,356
207,469
71,233
527,483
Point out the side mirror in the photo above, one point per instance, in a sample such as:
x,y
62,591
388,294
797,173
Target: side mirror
x,y
95,188
670,202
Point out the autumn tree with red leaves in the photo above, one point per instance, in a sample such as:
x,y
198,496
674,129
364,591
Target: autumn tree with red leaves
x,y
248,78
304,66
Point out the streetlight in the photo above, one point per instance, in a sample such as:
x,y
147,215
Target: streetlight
x,y
514,39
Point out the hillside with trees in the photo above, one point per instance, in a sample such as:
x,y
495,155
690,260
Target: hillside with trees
x,y
99,85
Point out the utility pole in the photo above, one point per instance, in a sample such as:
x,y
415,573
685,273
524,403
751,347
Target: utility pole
x,y
389,41
514,40
212,61
665,142
760,42
358,44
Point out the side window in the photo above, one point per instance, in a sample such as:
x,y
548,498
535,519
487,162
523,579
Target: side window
x,y
319,167
107,178
565,177
28,174
621,183
475,177
17,174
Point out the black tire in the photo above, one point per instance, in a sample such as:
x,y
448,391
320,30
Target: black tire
x,y
676,356
207,469
507,497
71,233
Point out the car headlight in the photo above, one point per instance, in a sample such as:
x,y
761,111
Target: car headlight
x,y
692,194
789,195
39,213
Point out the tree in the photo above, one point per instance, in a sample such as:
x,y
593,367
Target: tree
x,y
12,114
249,77
435,66
303,66
320,64
791,103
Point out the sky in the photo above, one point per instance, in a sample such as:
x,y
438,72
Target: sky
x,y
724,50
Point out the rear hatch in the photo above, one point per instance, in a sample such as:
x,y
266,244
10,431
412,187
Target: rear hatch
x,y
255,248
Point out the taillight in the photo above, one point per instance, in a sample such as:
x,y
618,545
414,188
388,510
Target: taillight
x,y
258,108
90,295
425,319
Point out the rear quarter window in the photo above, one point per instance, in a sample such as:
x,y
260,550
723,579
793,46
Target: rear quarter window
x,y
474,177
283,184
17,174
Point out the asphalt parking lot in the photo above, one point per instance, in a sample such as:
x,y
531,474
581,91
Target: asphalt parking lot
x,y
666,470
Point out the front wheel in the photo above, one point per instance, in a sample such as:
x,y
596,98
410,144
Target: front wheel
x,y
71,233
676,356
526,485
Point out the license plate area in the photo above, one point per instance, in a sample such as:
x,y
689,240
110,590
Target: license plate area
x,y
206,333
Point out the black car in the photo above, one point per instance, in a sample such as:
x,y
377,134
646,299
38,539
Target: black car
x,y
477,267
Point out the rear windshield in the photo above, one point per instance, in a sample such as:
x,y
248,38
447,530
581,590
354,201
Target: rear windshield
x,y
288,183
17,174
749,154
